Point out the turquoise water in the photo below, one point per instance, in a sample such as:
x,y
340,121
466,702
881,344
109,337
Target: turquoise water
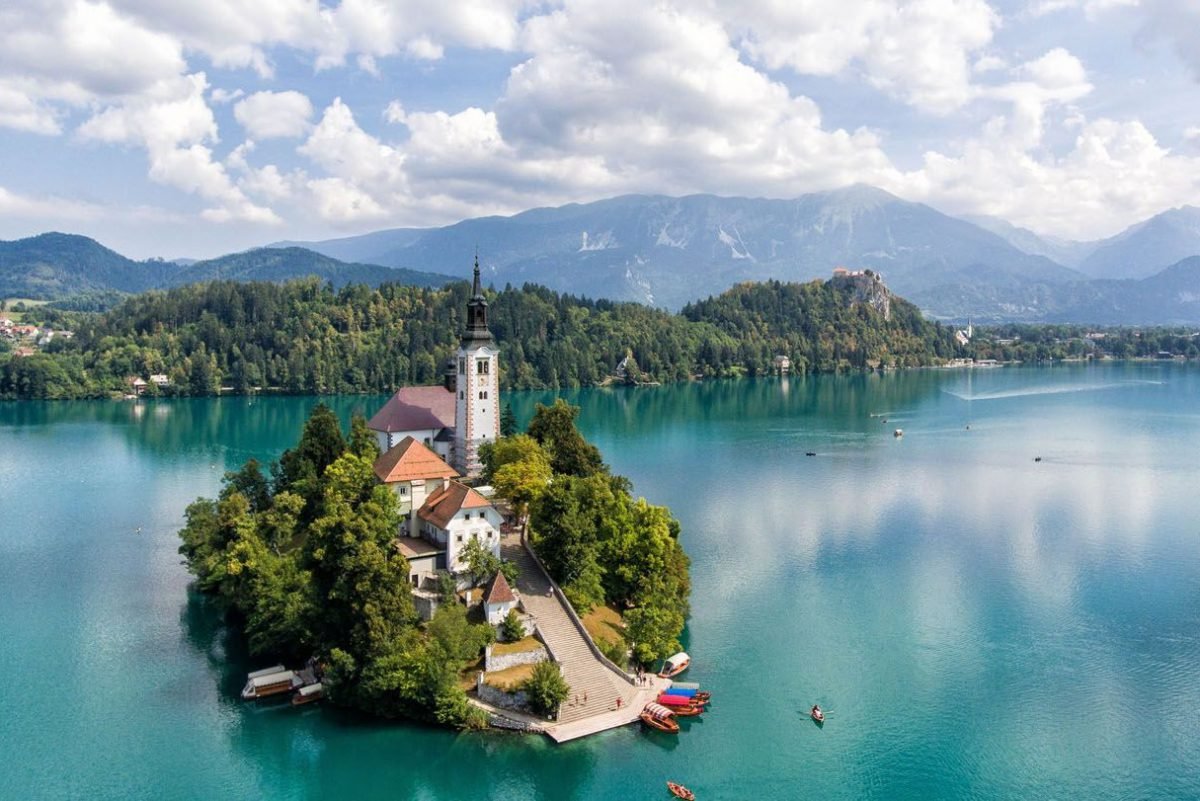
x,y
978,624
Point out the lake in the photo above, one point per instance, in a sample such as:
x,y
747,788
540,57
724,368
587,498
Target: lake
x,y
978,624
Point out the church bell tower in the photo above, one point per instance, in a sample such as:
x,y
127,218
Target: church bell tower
x,y
477,402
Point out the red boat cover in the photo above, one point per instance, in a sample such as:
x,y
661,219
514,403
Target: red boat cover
x,y
674,700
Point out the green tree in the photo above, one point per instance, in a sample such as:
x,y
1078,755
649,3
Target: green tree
x,y
570,454
512,629
547,688
508,421
481,563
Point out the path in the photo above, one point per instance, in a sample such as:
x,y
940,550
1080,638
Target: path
x,y
586,675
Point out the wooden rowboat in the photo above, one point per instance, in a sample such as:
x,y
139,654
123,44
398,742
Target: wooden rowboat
x,y
679,791
657,716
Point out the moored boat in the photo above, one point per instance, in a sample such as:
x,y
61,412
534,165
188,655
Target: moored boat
x,y
679,791
674,665
657,716
685,685
816,714
306,695
669,700
700,695
266,684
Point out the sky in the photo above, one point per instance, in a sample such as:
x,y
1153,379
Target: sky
x,y
191,128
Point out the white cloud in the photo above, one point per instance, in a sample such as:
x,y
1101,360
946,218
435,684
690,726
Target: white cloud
x,y
917,50
222,96
1178,22
273,115
1040,8
1191,132
13,204
174,125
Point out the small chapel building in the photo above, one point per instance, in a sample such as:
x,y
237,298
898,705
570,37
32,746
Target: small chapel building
x,y
430,438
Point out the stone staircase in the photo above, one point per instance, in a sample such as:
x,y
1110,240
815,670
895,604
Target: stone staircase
x,y
587,676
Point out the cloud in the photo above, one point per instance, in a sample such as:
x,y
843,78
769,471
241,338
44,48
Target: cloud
x,y
175,125
13,204
274,115
916,50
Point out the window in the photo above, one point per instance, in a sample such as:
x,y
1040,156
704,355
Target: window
x,y
483,366
462,365
483,396
459,540
404,490
460,394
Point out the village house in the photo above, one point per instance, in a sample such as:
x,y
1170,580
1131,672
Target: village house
x,y
498,600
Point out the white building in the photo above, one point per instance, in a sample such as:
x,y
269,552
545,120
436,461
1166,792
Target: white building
x,y
455,418
498,599
414,473
477,405
455,515
424,413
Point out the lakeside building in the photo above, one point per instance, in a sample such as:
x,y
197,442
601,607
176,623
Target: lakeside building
x,y
461,414
430,438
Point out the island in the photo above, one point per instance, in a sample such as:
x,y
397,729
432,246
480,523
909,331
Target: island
x,y
438,564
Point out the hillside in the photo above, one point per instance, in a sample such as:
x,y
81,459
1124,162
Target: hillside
x,y
304,337
284,264
54,265
57,266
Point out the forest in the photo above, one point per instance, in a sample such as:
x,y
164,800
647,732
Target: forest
x,y
306,337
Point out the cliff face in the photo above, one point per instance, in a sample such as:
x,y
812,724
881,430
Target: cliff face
x,y
866,287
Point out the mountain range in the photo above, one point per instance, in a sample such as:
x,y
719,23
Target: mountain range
x,y
667,251
53,266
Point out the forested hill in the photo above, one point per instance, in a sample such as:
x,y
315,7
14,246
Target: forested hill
x,y
306,337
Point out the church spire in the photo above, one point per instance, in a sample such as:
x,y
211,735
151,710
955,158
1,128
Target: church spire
x,y
476,292
477,324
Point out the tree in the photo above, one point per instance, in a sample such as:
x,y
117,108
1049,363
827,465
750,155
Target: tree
x,y
362,439
481,563
508,421
512,629
524,480
570,454
547,688
651,631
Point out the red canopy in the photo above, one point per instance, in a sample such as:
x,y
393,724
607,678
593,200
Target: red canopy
x,y
675,700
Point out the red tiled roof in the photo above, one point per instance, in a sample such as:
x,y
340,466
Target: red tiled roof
x,y
443,505
415,409
411,460
498,592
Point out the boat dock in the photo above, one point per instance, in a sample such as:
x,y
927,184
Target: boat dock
x,y
611,718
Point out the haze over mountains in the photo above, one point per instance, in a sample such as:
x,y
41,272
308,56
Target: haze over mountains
x,y
668,251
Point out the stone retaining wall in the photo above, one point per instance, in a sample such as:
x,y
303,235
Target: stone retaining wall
x,y
493,663
518,700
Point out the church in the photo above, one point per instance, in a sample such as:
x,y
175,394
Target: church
x,y
430,438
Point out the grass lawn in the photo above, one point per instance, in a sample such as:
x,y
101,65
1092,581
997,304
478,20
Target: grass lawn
x,y
604,623
521,646
19,317
510,679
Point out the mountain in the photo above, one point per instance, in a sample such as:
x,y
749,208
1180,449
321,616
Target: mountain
x,y
55,265
1148,247
667,251
1067,252
281,264
1169,297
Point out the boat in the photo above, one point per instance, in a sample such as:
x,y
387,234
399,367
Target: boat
x,y
899,432
674,665
701,696
685,685
657,716
680,706
679,791
817,715
267,684
667,699
306,695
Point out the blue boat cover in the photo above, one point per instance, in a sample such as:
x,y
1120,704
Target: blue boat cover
x,y
681,691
